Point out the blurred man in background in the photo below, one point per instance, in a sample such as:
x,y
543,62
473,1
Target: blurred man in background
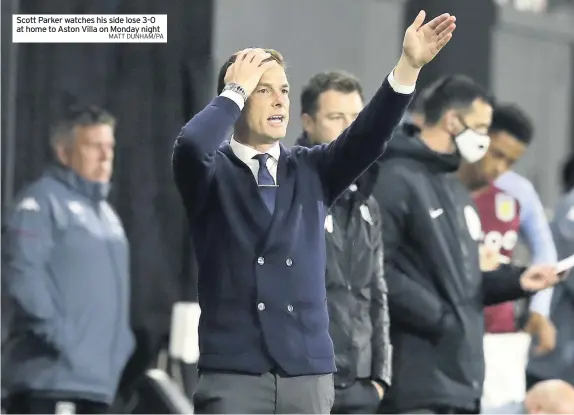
x,y
65,277
505,211
432,264
547,397
356,289
559,364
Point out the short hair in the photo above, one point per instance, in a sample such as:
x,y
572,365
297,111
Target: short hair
x,y
512,120
417,106
276,56
451,92
79,116
327,81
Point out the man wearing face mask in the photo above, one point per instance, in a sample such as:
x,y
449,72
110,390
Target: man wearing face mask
x,y
436,287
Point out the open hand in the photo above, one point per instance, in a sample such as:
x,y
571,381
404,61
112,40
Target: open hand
x,y
248,68
539,277
422,43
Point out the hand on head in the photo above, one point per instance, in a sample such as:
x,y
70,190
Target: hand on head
x,y
248,68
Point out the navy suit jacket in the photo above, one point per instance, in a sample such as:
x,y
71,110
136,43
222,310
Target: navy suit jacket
x,y
261,276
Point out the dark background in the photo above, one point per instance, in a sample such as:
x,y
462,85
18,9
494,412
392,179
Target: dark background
x,y
152,89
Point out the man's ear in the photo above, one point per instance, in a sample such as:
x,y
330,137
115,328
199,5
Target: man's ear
x,y
62,153
308,123
450,121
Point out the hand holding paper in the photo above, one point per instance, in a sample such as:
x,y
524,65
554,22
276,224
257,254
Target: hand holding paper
x,y
565,265
539,277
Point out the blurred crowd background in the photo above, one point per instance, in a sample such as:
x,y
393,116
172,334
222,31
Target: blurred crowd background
x,y
521,50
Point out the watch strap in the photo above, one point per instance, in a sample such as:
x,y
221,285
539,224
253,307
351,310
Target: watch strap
x,y
236,88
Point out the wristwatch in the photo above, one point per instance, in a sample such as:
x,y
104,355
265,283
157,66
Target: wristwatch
x,y
236,88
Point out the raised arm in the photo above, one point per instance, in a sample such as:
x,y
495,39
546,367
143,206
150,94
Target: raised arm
x,y
193,159
360,145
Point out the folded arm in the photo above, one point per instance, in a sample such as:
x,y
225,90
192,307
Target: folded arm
x,y
341,162
193,160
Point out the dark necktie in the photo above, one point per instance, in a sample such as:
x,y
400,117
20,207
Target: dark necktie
x,y
265,181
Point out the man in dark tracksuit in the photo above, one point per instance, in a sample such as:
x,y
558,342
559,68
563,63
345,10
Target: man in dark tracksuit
x,y
356,289
65,279
432,264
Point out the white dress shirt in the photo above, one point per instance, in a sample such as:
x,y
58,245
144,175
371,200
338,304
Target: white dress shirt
x,y
246,154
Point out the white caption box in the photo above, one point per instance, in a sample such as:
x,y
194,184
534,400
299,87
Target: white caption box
x,y
89,28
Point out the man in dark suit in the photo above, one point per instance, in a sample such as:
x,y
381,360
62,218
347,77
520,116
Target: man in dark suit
x,y
257,212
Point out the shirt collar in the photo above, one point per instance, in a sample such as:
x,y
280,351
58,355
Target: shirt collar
x,y
246,154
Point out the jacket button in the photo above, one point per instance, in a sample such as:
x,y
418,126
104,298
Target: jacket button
x,y
261,306
289,262
290,308
349,287
261,260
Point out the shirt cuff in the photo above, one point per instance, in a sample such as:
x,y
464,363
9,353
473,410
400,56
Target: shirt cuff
x,y
541,302
398,88
235,97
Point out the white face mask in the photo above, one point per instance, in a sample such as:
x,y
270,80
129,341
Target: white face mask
x,y
471,145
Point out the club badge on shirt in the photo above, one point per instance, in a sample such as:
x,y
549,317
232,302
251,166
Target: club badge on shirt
x,y
29,204
504,207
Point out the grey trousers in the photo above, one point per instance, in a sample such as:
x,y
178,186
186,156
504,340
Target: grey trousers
x,y
226,393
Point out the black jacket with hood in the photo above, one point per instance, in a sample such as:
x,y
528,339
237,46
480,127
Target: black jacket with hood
x,y
436,289
356,289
